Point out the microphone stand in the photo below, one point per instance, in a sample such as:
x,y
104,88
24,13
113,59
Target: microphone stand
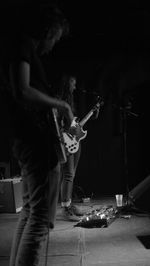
x,y
126,111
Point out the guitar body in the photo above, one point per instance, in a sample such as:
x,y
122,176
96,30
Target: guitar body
x,y
69,141
72,141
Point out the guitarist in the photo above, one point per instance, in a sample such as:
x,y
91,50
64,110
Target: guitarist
x,y
41,28
70,212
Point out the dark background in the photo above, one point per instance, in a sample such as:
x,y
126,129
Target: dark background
x,y
109,51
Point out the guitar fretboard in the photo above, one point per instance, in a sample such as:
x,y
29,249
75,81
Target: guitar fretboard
x,y
90,113
86,118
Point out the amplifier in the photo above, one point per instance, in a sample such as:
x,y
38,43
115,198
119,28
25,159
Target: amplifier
x,y
10,195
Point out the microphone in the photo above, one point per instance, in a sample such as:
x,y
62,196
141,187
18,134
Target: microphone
x,y
89,92
84,91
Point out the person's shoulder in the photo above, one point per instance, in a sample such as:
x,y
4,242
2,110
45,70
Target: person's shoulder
x,y
25,40
26,47
22,48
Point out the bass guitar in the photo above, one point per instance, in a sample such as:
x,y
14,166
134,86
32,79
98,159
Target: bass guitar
x,y
71,141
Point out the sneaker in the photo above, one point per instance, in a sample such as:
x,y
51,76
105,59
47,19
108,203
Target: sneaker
x,y
69,215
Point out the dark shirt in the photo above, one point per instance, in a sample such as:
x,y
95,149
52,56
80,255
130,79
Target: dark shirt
x,y
32,124
29,118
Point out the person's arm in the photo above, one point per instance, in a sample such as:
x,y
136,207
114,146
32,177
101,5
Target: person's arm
x,y
95,114
34,95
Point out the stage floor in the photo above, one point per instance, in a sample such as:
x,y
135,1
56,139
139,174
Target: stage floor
x,y
125,242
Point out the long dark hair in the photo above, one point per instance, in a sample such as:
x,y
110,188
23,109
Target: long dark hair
x,y
41,18
64,90
33,19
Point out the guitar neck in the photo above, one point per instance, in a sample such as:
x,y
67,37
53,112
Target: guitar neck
x,y
86,118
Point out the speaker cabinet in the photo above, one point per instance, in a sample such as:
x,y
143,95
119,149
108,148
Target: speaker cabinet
x,y
10,195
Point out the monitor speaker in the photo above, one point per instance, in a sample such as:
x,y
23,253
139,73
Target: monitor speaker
x,y
139,195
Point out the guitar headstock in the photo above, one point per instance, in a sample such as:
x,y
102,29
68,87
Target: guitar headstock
x,y
100,102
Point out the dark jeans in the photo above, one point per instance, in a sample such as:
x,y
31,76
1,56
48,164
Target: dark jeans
x,y
40,188
68,175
